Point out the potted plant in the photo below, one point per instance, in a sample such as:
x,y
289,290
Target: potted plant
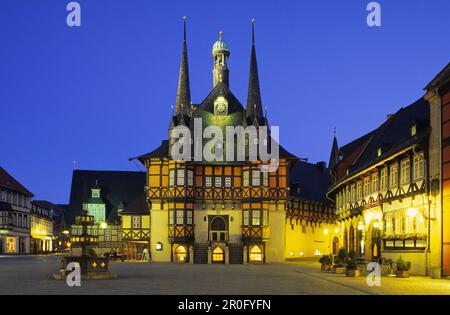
x,y
339,261
352,266
326,262
402,269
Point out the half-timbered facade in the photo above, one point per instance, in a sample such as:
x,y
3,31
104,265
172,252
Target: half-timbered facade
x,y
15,215
222,211
386,196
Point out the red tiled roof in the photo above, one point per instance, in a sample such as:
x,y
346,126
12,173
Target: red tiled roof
x,y
10,183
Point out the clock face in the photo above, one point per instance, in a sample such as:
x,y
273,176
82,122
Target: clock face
x,y
220,106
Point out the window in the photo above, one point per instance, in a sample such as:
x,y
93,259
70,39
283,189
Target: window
x,y
413,130
256,178
419,167
266,179
180,177
180,217
353,194
255,254
136,222
256,217
246,179
265,217
171,178
366,186
379,151
171,218
359,190
189,217
405,172
218,181
190,178
393,176
374,183
246,217
208,181
2,195
227,182
383,179
108,237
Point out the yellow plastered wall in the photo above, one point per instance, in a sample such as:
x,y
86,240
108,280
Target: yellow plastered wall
x,y
306,242
201,226
159,232
276,243
126,222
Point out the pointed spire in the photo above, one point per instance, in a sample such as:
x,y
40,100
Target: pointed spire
x,y
183,102
334,155
254,106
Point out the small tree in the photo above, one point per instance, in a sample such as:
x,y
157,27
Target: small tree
x,y
341,257
351,261
402,265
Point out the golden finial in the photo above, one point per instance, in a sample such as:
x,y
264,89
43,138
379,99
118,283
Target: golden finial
x,y
253,21
184,17
220,35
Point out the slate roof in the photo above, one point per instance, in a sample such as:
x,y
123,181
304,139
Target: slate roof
x,y
116,187
160,152
138,206
310,181
10,183
392,136
440,79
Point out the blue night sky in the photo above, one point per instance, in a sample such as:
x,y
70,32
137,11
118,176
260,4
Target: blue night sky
x,y
102,93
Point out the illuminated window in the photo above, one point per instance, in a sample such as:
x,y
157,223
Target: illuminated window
x,y
367,186
246,178
353,194
136,222
256,178
413,130
256,254
405,172
171,218
419,167
379,152
180,177
180,217
266,179
190,178
256,217
208,181
227,182
246,217
171,177
375,183
393,176
218,256
218,181
266,217
180,254
359,190
189,217
383,179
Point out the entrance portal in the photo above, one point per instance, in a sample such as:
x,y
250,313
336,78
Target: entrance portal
x,y
218,256
180,254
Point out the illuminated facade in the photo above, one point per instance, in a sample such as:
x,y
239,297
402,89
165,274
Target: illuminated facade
x,y
15,216
387,186
42,235
228,211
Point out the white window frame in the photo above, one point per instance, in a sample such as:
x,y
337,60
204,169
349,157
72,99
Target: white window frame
x,y
256,178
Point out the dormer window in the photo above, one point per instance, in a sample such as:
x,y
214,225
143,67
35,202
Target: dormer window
x,y
413,130
379,152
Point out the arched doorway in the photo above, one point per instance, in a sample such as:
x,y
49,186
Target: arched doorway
x,y
180,254
345,239
218,256
351,238
335,245
218,230
256,254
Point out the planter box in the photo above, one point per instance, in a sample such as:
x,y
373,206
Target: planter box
x,y
339,270
402,274
352,273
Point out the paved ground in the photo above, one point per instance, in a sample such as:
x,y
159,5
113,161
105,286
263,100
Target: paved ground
x,y
31,275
